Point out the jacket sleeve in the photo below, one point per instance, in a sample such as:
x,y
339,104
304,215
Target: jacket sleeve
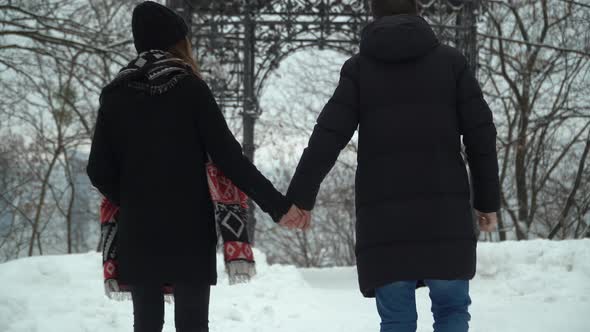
x,y
334,128
226,153
479,137
103,167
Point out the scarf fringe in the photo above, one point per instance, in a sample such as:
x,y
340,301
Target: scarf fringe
x,y
240,272
113,292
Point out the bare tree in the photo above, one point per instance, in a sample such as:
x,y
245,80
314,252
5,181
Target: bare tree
x,y
535,66
55,57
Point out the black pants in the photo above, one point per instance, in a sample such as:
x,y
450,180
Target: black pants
x,y
191,308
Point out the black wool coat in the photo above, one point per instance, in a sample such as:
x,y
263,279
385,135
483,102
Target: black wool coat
x,y
148,156
412,100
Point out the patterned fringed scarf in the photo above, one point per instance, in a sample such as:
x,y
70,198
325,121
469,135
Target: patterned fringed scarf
x,y
156,72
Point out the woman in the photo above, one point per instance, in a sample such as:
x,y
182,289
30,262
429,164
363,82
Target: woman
x,y
157,124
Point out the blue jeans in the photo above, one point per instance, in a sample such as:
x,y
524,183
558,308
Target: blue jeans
x,y
396,304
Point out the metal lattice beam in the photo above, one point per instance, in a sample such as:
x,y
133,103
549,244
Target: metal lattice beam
x,y
279,28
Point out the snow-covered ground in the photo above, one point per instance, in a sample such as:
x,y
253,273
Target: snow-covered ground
x,y
538,286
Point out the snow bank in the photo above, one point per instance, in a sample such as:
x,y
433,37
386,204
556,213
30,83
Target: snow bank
x,y
521,286
532,268
65,293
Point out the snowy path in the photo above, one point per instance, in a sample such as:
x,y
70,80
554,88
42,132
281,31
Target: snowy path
x,y
530,286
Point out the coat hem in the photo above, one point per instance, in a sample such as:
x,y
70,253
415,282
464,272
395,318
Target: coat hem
x,y
451,260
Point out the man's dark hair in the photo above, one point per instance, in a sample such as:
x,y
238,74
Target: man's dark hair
x,y
381,8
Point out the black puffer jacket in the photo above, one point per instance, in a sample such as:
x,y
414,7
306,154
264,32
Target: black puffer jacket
x,y
148,156
411,99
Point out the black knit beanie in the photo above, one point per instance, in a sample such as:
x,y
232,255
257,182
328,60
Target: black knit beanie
x,y
156,27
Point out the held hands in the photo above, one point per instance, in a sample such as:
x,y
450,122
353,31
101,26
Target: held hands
x,y
296,219
487,220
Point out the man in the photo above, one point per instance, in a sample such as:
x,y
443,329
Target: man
x,y
412,100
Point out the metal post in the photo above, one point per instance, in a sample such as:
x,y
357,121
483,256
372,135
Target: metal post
x,y
466,33
250,113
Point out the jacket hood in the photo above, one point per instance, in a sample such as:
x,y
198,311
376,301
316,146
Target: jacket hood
x,y
397,38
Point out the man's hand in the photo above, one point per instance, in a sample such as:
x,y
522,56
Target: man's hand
x,y
296,219
307,219
487,221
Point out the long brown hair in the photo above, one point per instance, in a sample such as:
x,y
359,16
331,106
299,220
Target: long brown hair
x,y
183,50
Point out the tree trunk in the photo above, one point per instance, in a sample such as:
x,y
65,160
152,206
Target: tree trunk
x,y
37,218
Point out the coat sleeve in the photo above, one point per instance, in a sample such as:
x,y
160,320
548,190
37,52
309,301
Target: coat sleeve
x,y
103,167
226,153
334,128
479,137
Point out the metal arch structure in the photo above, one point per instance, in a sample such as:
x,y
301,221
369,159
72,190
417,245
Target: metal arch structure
x,y
238,43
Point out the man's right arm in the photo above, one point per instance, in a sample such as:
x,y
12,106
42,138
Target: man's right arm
x,y
335,127
479,137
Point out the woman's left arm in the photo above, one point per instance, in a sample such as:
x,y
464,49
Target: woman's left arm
x,y
226,153
103,168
